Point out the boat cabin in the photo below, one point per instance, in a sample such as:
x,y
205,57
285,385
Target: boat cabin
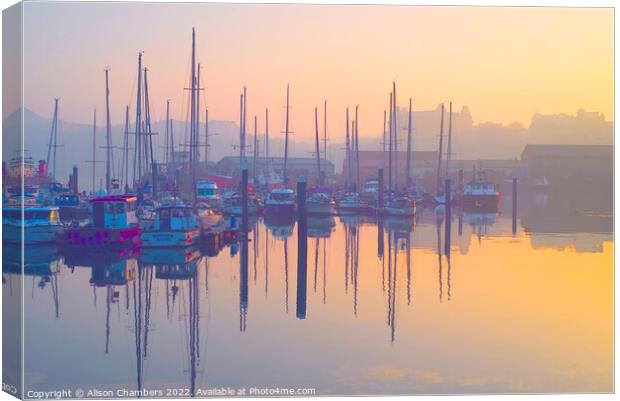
x,y
206,189
175,218
117,211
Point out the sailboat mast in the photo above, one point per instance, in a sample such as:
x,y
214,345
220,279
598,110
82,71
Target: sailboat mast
x,y
108,159
255,151
241,130
52,142
348,151
384,139
206,136
440,149
94,146
357,150
449,155
325,130
192,123
245,111
390,161
137,168
267,162
196,146
318,152
167,141
126,148
409,147
395,133
286,136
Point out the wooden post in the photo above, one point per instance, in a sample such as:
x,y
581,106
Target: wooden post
x,y
302,248
514,206
75,180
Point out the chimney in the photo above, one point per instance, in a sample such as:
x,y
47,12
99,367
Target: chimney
x,y
41,168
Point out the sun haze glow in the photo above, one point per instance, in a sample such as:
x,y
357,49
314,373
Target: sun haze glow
x,y
504,63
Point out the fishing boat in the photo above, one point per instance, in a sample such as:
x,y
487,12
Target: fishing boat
x,y
40,224
400,206
113,222
280,201
71,208
207,192
480,194
175,226
352,203
320,204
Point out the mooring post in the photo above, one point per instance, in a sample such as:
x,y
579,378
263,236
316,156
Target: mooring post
x,y
75,180
514,206
302,248
244,198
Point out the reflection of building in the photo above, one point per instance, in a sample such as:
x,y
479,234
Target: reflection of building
x,y
570,163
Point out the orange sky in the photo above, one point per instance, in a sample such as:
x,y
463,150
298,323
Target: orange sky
x,y
504,63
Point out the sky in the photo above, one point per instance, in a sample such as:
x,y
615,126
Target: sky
x,y
505,64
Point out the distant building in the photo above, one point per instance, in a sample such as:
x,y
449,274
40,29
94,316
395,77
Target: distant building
x,y
296,166
564,163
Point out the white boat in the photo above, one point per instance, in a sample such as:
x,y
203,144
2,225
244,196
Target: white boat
x,y
480,194
400,206
280,201
175,226
351,203
41,224
207,191
319,204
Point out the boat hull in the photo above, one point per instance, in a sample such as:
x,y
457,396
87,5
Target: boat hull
x,y
170,239
42,234
480,202
95,237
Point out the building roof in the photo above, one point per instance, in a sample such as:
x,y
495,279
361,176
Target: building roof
x,y
567,151
378,155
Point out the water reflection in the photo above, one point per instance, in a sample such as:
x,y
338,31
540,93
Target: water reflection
x,y
395,286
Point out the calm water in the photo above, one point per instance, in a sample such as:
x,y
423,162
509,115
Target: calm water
x,y
375,310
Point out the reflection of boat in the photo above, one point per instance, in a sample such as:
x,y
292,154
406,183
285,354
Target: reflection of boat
x,y
113,222
320,227
280,201
351,203
319,203
174,226
480,221
281,226
37,259
395,223
168,256
97,256
234,205
117,273
41,224
480,194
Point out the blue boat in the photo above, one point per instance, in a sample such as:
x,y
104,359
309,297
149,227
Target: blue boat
x,y
38,224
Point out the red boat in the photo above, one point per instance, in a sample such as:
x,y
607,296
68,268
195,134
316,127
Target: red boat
x,y
113,222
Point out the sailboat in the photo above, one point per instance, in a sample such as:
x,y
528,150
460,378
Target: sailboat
x,y
318,201
281,201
